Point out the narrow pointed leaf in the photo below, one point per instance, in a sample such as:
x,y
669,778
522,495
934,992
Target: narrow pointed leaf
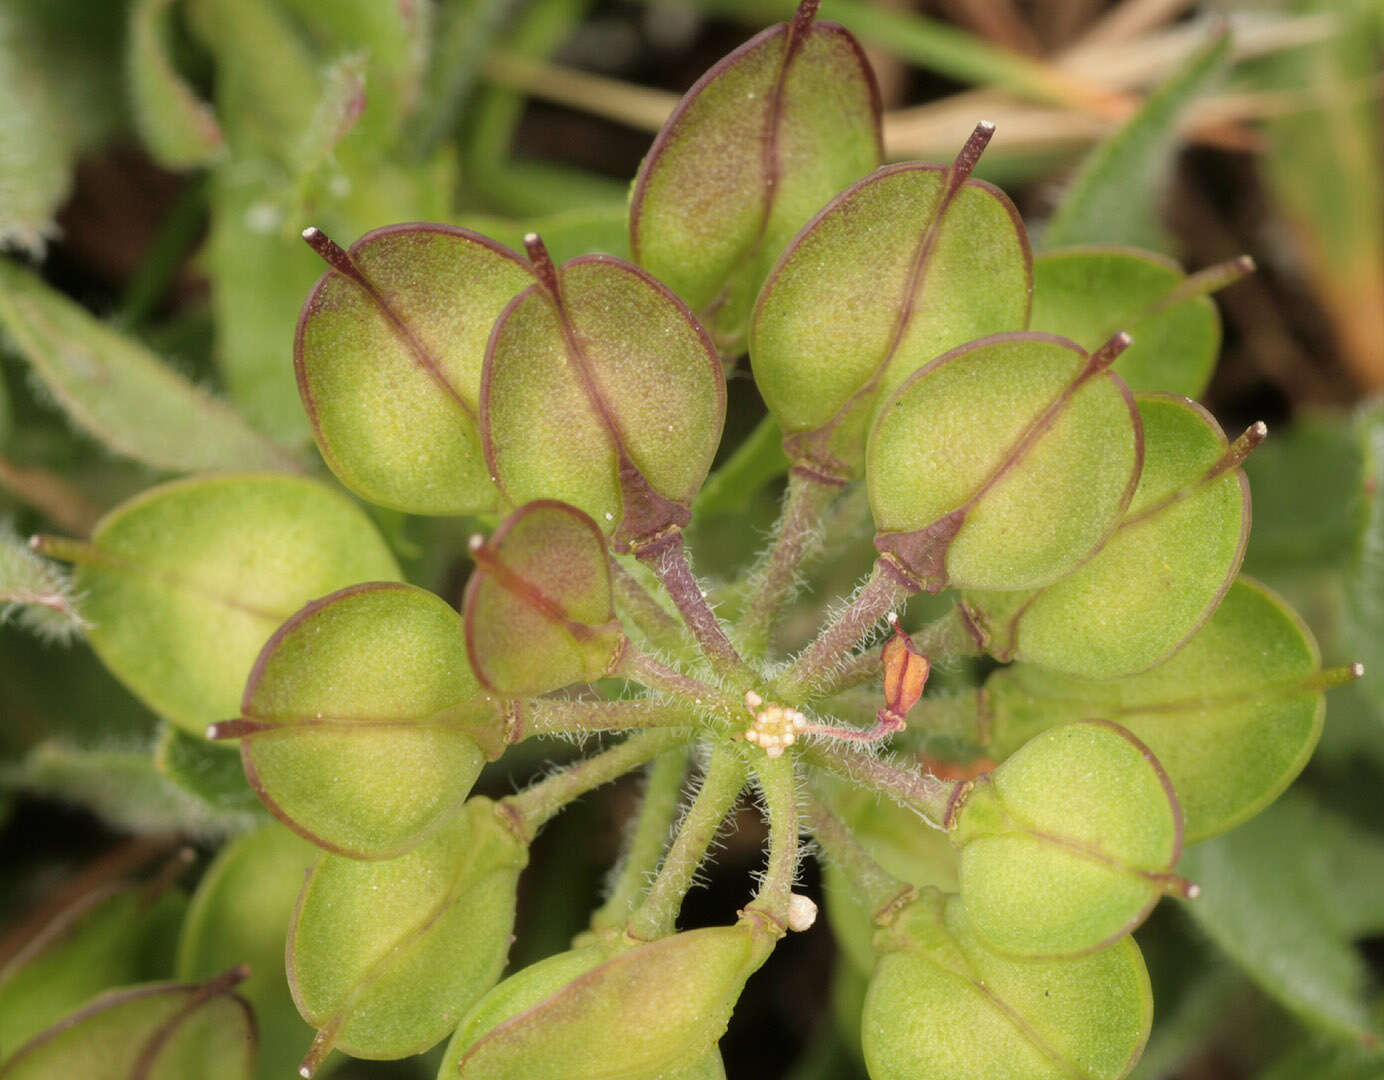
x,y
756,147
1128,169
1068,844
361,719
159,1031
604,354
386,956
185,583
178,128
240,915
539,608
1269,900
943,1006
1232,716
389,352
904,265
1004,463
121,393
1159,576
1088,294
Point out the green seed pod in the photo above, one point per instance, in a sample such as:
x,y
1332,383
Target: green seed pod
x,y
1162,572
601,352
1068,844
756,147
388,353
384,957
1089,293
240,915
904,265
158,1031
184,583
942,1006
111,936
362,721
1004,463
1233,715
654,1010
539,610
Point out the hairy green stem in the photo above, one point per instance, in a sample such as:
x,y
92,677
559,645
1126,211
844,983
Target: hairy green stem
x,y
668,560
817,665
776,780
911,788
647,840
643,668
533,807
657,916
566,716
880,891
946,638
647,614
773,581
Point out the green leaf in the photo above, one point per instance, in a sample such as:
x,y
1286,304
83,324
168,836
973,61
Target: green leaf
x,y
1232,716
1327,1062
899,268
753,150
1364,586
1068,844
1271,898
1161,573
566,234
605,354
240,915
1004,463
158,1031
60,94
539,608
1112,198
361,719
122,787
942,1006
385,956
185,583
179,130
389,353
121,393
107,936
1089,293
1310,498
212,773
646,1012
35,592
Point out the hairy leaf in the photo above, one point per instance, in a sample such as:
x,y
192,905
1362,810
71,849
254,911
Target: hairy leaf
x,y
120,393
178,128
35,592
754,149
